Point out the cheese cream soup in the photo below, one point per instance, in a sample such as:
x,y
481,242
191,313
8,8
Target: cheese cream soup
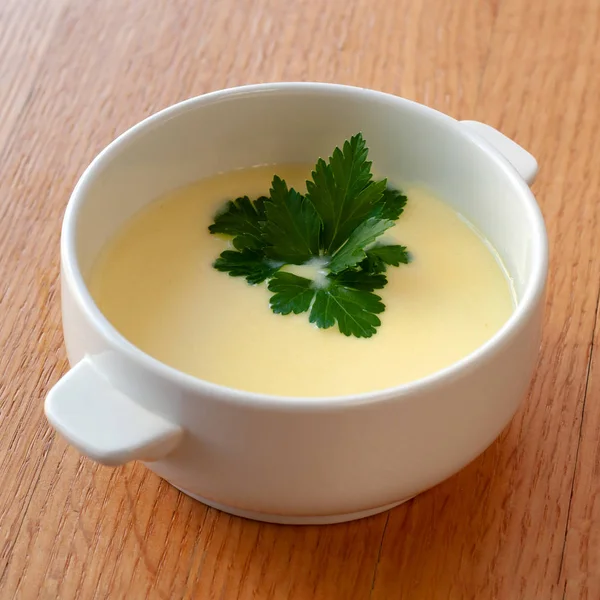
x,y
154,281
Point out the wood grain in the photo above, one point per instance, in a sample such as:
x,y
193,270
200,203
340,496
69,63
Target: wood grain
x,y
520,522
25,32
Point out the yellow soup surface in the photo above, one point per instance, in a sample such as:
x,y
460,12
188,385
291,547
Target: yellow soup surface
x,y
155,283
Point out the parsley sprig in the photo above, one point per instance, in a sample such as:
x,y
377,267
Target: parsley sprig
x,y
336,223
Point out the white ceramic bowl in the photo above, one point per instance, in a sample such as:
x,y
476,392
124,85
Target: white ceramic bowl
x,y
296,460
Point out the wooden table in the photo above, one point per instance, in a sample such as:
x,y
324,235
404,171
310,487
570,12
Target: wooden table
x,y
522,521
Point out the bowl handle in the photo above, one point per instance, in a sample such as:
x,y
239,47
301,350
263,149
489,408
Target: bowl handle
x,y
518,157
105,424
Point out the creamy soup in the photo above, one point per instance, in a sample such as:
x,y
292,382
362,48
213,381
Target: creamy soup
x,y
155,283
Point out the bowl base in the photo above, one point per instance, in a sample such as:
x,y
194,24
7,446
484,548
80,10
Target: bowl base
x,y
291,520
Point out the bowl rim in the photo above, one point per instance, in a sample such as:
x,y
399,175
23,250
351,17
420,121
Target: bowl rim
x,y
73,278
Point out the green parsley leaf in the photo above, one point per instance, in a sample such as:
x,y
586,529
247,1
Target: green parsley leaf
x,y
333,226
293,294
378,257
292,226
343,192
359,280
391,205
354,311
347,300
353,251
248,263
242,219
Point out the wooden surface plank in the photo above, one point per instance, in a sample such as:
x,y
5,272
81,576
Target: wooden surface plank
x,y
581,562
25,30
76,73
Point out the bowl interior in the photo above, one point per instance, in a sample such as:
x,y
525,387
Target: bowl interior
x,y
219,132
